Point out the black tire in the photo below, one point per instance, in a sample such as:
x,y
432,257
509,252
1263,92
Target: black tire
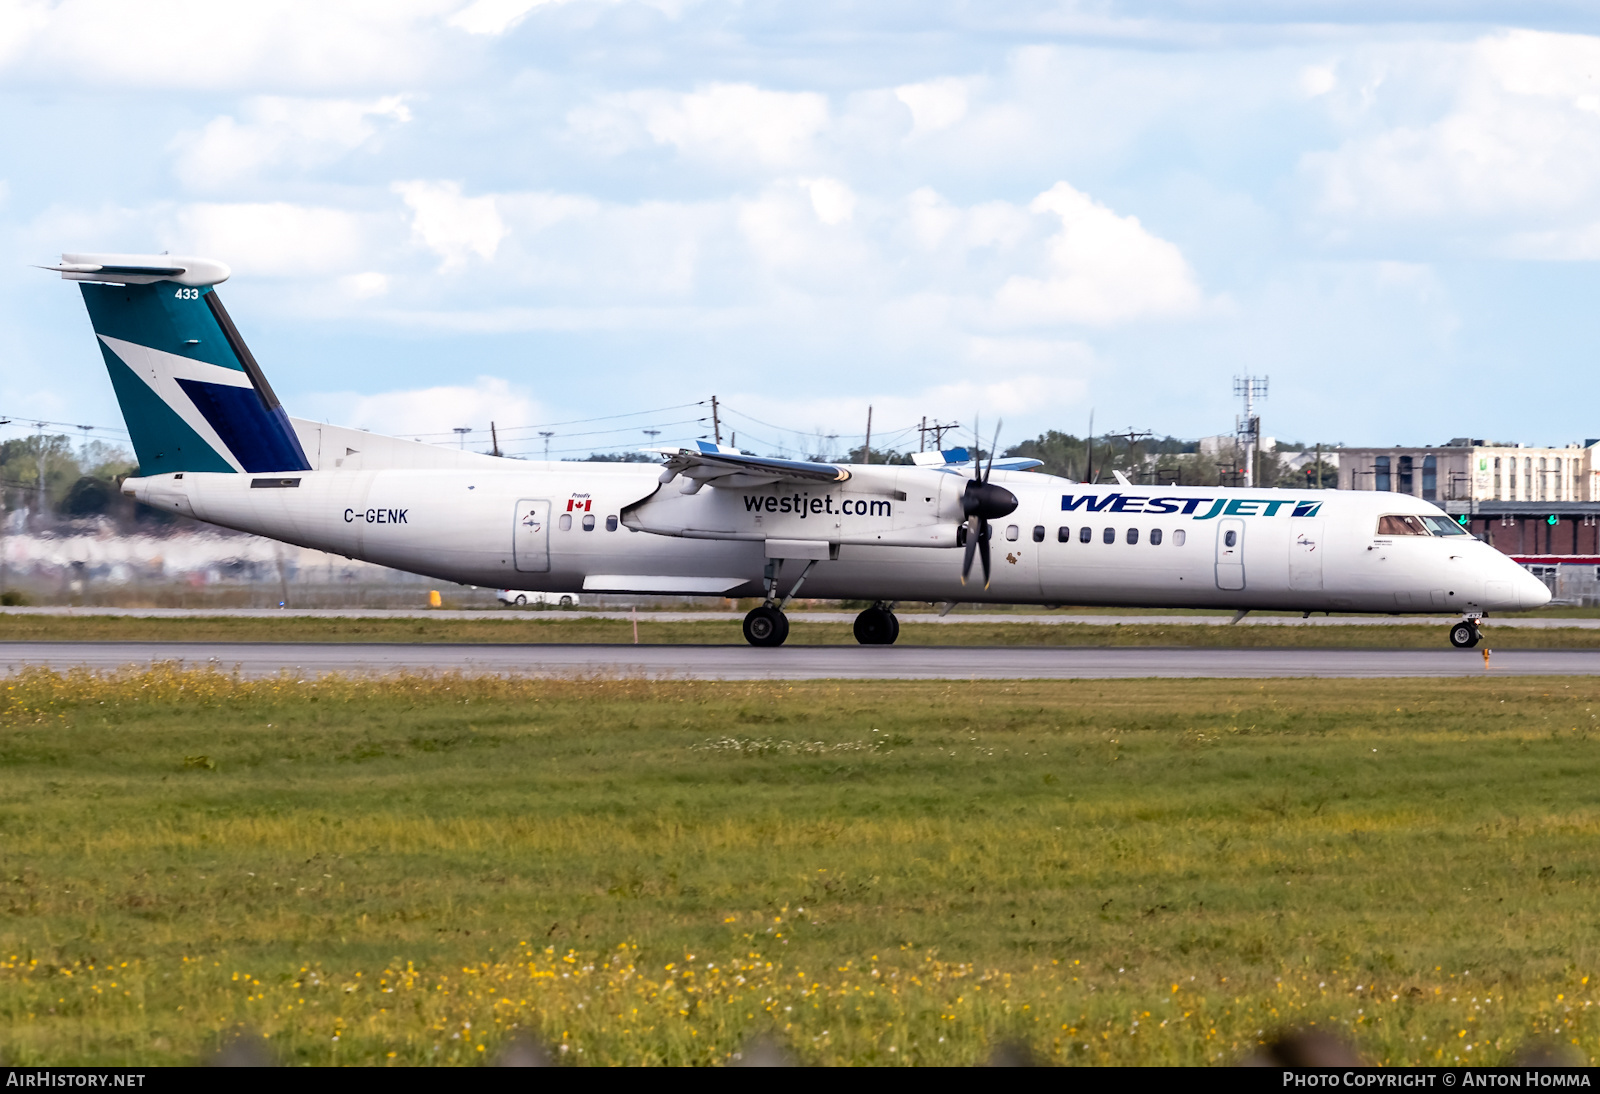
x,y
877,627
520,601
566,602
766,627
1464,635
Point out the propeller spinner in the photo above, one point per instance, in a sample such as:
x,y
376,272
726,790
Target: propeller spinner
x,y
982,502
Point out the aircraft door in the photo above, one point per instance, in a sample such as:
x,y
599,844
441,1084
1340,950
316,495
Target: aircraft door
x,y
1230,554
1305,555
530,536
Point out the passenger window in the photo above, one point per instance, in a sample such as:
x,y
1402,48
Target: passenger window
x,y
1063,535
1155,537
1085,534
1038,533
1133,535
1230,539
1178,537
1109,535
611,524
588,522
1012,532
1401,525
566,522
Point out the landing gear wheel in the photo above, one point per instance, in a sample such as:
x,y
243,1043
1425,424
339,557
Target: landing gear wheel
x,y
877,627
1464,635
766,627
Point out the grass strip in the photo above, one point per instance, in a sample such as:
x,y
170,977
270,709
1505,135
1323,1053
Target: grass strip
x,y
580,630
420,869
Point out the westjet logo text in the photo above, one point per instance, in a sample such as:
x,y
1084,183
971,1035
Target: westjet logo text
x,y
806,505
1198,508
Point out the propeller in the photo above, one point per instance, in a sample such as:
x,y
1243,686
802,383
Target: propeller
x,y
982,502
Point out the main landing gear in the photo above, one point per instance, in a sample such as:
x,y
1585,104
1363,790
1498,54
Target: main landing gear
x,y
1465,634
767,625
877,626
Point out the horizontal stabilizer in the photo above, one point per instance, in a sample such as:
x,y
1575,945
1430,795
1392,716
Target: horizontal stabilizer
x,y
141,269
958,461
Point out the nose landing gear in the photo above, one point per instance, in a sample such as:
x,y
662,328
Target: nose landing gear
x,y
877,626
1465,634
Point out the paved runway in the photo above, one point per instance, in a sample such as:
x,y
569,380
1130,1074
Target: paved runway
x,y
802,662
971,614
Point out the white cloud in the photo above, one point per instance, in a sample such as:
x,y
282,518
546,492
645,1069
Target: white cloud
x,y
302,133
365,286
936,224
727,123
934,104
272,239
801,233
494,16
1318,80
1101,268
451,225
834,202
431,412
1515,148
180,43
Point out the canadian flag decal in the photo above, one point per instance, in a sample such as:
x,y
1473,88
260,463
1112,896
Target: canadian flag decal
x,y
579,503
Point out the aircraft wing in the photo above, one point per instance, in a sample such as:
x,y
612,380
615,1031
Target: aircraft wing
x,y
728,468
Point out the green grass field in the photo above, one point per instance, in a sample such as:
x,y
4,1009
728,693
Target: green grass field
x,y
409,870
579,628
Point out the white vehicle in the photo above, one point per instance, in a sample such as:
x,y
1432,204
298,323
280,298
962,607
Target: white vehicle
x,y
522,597
214,443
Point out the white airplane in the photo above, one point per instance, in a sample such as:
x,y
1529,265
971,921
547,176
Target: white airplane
x,y
214,443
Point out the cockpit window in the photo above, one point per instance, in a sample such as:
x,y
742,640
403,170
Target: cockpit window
x,y
1444,526
1401,525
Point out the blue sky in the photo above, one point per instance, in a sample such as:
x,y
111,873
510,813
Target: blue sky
x,y
443,213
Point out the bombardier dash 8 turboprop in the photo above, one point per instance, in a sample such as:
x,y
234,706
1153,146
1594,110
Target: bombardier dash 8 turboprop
x,y
214,443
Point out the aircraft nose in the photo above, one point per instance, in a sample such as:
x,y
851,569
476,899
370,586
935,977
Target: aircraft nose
x,y
1531,592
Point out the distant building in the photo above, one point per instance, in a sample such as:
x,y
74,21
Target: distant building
x,y
1539,505
1226,445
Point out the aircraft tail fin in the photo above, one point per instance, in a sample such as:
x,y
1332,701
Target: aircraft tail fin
x,y
191,392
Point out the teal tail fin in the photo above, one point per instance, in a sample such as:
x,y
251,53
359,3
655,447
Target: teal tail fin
x,y
191,392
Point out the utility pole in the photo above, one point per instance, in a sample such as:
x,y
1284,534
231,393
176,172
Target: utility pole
x,y
461,432
866,449
716,422
39,456
1319,467
494,438
1088,450
546,437
938,430
1248,430
1134,437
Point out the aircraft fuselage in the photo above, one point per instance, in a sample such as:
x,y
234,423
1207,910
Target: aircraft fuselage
x,y
888,534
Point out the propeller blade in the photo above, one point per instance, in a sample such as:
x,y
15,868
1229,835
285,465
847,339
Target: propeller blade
x,y
995,444
983,549
972,547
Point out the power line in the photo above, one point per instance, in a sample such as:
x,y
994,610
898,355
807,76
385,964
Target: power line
x,y
20,420
575,421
